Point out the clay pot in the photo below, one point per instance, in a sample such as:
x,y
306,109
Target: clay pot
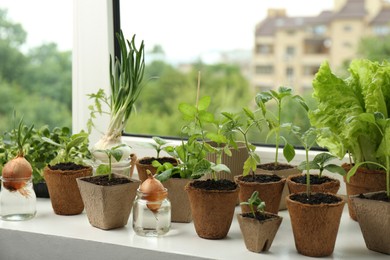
x,y
108,207
364,181
284,174
180,204
235,162
331,187
212,211
259,235
315,227
269,192
374,222
142,166
63,191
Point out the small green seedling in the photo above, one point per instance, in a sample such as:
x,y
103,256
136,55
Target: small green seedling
x,y
321,162
255,204
104,169
158,145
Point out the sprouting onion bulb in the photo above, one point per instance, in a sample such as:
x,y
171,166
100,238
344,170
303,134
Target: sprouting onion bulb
x,y
153,192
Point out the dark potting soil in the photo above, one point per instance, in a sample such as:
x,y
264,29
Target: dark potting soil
x,y
378,196
104,181
315,198
161,160
262,178
274,167
259,216
210,184
314,179
69,166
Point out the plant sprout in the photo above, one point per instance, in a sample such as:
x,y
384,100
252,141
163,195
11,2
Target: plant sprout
x,y
255,204
106,168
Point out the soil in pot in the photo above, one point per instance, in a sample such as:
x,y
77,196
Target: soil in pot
x,y
212,205
269,186
297,184
104,181
145,163
63,190
315,221
274,167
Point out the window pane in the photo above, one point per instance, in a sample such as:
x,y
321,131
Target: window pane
x,y
35,67
240,50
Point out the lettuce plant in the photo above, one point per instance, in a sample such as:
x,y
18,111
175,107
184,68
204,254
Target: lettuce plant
x,y
365,91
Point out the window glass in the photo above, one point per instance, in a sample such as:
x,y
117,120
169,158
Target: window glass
x,y
35,67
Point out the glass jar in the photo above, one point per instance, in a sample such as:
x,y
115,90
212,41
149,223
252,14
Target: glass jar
x,y
151,218
17,199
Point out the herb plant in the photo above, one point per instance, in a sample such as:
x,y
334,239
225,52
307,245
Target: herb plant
x,y
113,152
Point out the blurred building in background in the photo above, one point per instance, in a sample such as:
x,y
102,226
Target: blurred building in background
x,y
289,50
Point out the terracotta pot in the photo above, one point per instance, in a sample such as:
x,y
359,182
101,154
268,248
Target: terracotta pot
x,y
269,192
374,222
142,166
63,191
315,227
259,235
284,174
108,207
363,181
212,211
331,187
180,204
235,162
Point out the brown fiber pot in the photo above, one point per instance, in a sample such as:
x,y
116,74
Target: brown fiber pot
x,y
235,162
269,192
108,207
180,204
374,221
315,227
364,181
64,194
331,187
212,211
284,174
259,235
142,167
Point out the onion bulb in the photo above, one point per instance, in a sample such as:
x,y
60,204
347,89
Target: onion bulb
x,y
16,173
153,192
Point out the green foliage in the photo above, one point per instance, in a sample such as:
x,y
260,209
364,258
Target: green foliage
x,y
192,153
36,151
321,162
241,123
158,145
255,204
364,91
274,121
375,48
70,148
383,125
112,152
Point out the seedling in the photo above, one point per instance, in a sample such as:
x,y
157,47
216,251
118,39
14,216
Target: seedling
x,y
255,204
106,168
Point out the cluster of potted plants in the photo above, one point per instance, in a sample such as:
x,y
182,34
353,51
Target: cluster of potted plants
x,y
352,118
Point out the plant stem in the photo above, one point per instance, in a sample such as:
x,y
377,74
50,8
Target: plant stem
x,y
307,173
109,167
388,176
277,139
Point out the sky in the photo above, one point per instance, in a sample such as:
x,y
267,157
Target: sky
x,y
185,29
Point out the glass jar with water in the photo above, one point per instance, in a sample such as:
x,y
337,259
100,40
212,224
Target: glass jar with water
x,y
17,199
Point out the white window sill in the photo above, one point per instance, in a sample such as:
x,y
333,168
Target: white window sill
x,y
50,236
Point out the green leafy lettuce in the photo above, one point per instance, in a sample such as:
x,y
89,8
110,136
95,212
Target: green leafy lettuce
x,y
366,90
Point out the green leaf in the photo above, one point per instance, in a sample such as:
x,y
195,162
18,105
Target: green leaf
x,y
205,116
117,154
48,140
159,140
249,164
202,168
204,103
165,175
323,158
335,169
103,169
289,152
220,168
188,111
